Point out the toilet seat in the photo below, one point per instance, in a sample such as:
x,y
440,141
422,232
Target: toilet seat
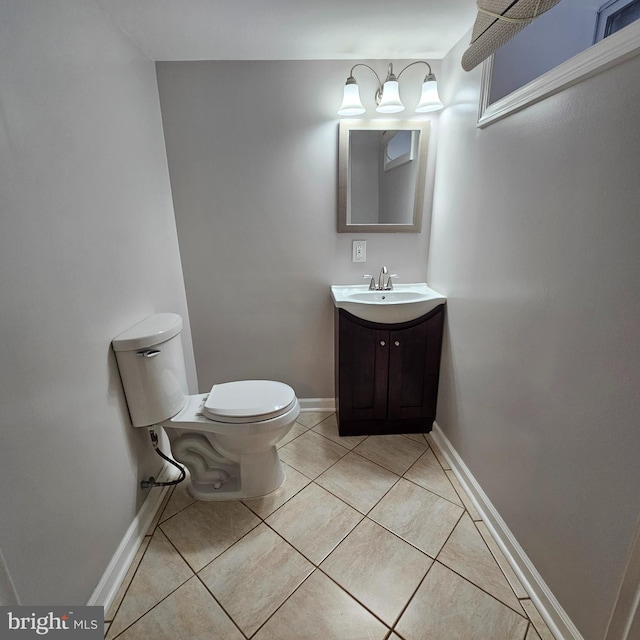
x,y
248,401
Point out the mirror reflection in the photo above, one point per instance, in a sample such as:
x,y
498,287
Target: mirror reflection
x,y
382,168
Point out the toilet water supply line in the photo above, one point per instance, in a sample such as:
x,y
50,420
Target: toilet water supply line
x,y
151,482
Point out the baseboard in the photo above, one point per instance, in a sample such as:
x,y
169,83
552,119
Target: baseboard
x,y
554,615
117,569
317,404
8,594
625,618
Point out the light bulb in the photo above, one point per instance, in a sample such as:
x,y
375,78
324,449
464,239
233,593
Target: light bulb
x,y
390,101
429,99
351,103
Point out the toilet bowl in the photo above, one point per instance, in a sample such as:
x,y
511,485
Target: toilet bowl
x,y
226,438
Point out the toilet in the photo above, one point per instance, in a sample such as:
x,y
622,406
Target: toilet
x,y
226,438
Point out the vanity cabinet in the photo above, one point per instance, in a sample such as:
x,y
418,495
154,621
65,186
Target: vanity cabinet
x,y
387,374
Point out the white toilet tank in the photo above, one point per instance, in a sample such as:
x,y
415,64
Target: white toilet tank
x,y
151,364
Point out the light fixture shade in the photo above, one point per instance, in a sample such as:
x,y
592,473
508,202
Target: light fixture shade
x,y
390,101
351,103
429,99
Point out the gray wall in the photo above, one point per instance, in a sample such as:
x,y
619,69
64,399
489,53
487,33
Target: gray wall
x,y
87,247
252,151
535,240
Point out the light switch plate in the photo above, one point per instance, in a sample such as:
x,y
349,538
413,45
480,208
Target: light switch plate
x,y
359,251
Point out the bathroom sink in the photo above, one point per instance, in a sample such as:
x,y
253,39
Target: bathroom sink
x,y
405,302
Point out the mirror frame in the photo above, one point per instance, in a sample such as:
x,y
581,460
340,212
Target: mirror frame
x,y
344,201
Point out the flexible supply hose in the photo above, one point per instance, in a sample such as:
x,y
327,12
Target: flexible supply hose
x,y
151,482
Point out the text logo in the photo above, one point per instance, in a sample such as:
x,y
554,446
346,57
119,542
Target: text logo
x,y
75,623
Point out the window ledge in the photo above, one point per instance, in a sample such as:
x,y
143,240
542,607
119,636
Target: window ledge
x,y
605,54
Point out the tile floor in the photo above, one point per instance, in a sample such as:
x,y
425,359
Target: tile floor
x,y
369,538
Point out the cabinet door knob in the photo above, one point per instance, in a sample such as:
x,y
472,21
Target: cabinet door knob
x,y
382,343
397,343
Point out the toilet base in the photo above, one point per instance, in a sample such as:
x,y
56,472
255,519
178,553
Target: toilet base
x,y
215,475
232,490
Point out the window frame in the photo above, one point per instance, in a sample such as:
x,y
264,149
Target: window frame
x,y
610,51
607,11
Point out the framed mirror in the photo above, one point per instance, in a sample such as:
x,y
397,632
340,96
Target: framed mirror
x,y
382,166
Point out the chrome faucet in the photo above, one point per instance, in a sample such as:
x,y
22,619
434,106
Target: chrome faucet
x,y
383,273
381,285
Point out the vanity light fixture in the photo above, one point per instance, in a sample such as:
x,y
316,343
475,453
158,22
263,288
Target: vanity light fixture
x,y
388,93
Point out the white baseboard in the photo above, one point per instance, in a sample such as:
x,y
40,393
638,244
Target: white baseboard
x,y
8,594
317,404
117,569
625,618
554,615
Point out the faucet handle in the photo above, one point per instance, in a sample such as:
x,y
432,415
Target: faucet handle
x,y
390,282
372,282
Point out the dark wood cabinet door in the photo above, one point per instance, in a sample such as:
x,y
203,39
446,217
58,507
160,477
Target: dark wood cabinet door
x,y
363,362
414,363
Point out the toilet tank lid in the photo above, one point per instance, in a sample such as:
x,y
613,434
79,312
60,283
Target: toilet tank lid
x,y
151,331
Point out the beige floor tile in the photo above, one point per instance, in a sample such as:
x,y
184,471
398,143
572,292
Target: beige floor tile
x,y
329,429
509,573
447,607
179,500
122,590
311,454
532,633
255,576
378,569
436,450
393,452
467,554
292,434
204,530
310,419
314,522
418,437
417,515
466,500
537,620
357,481
373,564
320,610
188,613
266,505
161,571
428,473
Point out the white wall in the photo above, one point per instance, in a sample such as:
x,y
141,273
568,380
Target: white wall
x,y
252,150
535,241
87,247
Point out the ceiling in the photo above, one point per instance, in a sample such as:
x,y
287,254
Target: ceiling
x,y
293,29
